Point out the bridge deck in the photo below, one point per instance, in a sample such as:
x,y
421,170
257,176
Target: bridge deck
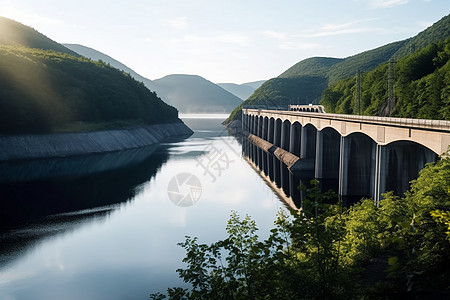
x,y
399,122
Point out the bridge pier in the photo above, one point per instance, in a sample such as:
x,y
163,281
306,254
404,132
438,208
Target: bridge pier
x,y
259,134
277,142
265,125
343,162
270,139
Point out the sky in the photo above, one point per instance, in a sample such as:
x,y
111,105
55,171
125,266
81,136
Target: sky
x,y
233,41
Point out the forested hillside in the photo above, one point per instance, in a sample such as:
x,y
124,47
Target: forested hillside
x,y
421,89
332,70
99,56
315,66
46,87
46,91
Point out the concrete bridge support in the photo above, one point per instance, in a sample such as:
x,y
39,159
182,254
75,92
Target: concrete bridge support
x,y
265,136
258,132
270,139
284,144
277,142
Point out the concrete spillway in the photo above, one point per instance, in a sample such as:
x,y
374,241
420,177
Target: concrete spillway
x,y
15,147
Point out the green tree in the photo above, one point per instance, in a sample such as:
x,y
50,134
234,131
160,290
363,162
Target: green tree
x,y
399,249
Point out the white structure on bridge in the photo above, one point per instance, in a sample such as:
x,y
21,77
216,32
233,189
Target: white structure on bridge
x,y
366,155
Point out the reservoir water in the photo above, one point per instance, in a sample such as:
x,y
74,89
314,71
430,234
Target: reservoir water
x,y
107,226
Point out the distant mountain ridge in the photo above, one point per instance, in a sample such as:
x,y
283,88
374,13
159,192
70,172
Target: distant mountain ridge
x,y
188,93
278,91
242,91
195,94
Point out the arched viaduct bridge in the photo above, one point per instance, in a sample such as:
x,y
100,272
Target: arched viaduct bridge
x,y
366,155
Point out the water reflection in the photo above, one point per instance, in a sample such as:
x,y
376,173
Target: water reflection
x,y
277,176
46,197
41,188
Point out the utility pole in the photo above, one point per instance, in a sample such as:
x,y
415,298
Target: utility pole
x,y
358,93
391,80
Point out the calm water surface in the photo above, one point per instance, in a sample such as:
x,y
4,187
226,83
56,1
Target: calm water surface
x,y
105,227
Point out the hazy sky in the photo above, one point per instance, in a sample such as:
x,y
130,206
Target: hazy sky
x,y
225,40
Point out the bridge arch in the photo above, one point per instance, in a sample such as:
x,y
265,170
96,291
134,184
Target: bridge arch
x,y
401,162
308,142
328,146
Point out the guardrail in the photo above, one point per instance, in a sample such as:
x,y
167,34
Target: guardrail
x,y
400,122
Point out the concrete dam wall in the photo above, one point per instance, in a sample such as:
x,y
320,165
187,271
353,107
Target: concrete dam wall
x,y
15,147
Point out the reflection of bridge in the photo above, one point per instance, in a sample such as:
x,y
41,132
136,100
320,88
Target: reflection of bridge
x,y
366,156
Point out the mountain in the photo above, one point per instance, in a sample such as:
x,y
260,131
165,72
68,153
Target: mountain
x,y
314,66
316,70
97,55
189,94
43,90
421,87
194,94
437,32
15,33
242,91
255,84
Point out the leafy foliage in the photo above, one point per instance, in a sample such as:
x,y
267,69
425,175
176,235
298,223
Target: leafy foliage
x,y
44,91
397,250
421,87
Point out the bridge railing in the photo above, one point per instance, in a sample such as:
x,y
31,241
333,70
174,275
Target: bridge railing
x,y
400,122
266,107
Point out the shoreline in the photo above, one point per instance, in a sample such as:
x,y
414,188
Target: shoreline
x,y
36,146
